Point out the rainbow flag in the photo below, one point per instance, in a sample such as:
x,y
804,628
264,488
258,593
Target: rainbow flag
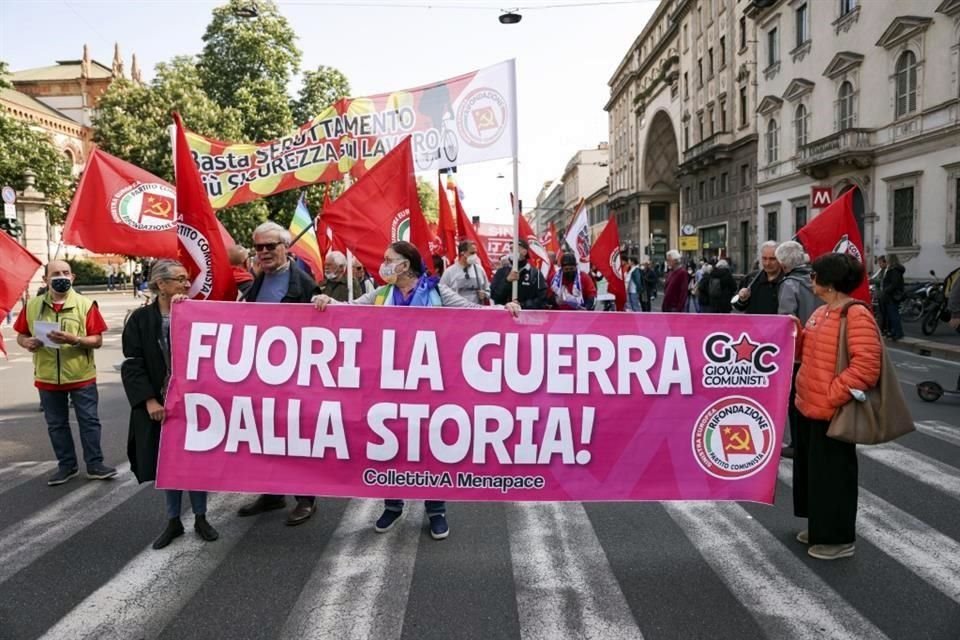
x,y
306,247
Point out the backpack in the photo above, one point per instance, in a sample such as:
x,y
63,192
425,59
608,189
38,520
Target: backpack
x,y
715,292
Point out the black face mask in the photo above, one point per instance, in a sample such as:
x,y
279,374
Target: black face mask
x,y
523,262
569,275
60,285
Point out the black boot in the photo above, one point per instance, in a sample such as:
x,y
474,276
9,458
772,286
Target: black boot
x,y
204,529
174,530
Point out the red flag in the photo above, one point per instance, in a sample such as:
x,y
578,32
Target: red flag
x,y
551,242
377,209
835,230
422,238
446,226
466,231
536,252
605,256
16,268
199,235
323,231
120,208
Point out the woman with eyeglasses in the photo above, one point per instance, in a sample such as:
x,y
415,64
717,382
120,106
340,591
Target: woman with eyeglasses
x,y
145,374
408,285
825,469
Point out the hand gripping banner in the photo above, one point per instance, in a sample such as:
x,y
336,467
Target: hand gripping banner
x,y
421,403
470,118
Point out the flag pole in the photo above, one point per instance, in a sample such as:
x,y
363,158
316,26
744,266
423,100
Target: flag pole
x,y
516,180
347,182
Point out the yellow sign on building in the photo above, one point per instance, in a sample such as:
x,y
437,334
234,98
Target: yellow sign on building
x,y
689,243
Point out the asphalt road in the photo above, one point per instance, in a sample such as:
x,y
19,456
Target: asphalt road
x,y
75,560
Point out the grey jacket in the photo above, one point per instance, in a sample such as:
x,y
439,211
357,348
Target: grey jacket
x,y
953,302
796,294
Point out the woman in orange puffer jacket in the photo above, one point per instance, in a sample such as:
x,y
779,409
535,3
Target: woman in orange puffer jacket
x,y
824,469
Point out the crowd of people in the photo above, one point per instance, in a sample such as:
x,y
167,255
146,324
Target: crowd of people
x,y
817,295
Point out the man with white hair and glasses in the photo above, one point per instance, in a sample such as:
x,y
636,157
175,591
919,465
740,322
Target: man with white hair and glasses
x,y
280,280
759,289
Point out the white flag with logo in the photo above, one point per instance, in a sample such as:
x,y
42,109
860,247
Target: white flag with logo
x,y
578,237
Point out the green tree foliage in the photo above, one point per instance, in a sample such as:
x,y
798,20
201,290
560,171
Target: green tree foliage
x,y
429,200
239,52
87,272
234,90
23,148
132,121
320,89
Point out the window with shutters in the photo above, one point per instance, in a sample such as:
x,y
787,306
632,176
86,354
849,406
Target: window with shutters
x,y
906,84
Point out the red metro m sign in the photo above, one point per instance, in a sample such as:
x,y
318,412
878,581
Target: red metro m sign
x,y
820,197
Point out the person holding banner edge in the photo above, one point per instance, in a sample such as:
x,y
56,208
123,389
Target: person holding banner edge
x,y
145,373
280,280
408,285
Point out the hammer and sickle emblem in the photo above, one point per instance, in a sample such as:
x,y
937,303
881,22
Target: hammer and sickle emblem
x,y
160,209
739,441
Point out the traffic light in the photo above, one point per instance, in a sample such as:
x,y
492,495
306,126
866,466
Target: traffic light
x,y
12,227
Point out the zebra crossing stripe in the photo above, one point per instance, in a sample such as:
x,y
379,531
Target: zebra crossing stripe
x,y
18,473
921,468
785,597
939,430
565,586
50,526
920,548
360,586
144,596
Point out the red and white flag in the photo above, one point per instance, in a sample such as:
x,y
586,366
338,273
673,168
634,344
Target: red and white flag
x,y
835,230
120,208
202,240
605,257
16,268
550,241
578,237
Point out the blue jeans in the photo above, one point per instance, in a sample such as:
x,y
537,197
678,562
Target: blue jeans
x,y
433,507
633,302
57,413
198,501
891,312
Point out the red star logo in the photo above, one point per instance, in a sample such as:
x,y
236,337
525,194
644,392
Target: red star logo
x,y
744,348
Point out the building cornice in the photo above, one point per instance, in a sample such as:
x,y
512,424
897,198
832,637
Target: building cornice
x,y
902,29
841,63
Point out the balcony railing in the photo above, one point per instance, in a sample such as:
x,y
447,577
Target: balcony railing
x,y
716,140
836,144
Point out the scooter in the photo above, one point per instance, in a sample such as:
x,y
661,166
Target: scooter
x,y
930,391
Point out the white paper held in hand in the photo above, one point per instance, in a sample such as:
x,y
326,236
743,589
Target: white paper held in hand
x,y
41,329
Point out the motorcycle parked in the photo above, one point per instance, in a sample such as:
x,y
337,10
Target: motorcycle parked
x,y
914,299
935,309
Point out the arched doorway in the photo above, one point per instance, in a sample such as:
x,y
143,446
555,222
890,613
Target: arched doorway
x,y
660,188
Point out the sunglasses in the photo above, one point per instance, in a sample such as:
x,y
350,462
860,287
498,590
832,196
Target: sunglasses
x,y
266,246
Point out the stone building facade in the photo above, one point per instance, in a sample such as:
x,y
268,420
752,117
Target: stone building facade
x,y
856,93
718,132
644,115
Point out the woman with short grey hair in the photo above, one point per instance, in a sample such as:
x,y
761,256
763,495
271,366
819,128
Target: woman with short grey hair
x,y
790,255
145,374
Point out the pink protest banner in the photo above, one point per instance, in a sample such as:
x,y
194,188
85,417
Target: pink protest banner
x,y
399,402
